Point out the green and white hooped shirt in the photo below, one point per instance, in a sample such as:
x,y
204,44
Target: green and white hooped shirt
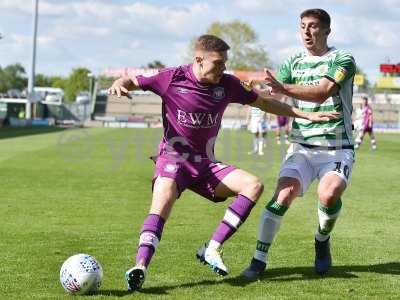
x,y
303,69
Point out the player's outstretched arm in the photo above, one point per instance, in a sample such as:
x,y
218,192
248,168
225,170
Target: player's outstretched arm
x,y
315,93
279,108
123,85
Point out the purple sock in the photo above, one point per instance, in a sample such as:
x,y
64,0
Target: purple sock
x,y
150,236
235,215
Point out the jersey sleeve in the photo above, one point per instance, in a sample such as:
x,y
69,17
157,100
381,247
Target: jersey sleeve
x,y
157,83
284,74
342,69
240,91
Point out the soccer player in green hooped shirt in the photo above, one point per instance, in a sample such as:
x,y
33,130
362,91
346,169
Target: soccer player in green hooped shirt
x,y
319,79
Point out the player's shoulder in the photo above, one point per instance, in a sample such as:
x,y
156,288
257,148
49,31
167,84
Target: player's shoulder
x,y
296,57
176,70
229,79
340,54
164,72
232,83
292,61
178,73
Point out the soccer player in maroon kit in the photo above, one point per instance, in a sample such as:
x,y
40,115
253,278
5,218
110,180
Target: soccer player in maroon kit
x,y
194,98
367,125
282,129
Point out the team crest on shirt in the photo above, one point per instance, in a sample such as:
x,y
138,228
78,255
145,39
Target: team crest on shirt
x,y
218,93
246,85
171,168
322,70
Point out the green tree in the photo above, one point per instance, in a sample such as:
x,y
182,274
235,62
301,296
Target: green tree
x,y
59,82
246,52
43,80
77,81
156,64
3,81
104,82
13,77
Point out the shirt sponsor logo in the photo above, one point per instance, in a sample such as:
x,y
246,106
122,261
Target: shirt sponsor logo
x,y
197,119
218,93
298,73
340,74
309,83
182,90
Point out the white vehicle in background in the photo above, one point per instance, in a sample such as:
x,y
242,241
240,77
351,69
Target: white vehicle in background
x,y
83,97
49,95
14,93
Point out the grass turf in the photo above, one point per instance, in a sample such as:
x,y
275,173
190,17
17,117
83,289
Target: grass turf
x,y
88,190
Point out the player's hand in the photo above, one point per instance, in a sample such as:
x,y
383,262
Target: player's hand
x,y
120,87
275,87
322,116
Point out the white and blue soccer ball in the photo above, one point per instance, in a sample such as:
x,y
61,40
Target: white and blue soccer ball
x,y
81,274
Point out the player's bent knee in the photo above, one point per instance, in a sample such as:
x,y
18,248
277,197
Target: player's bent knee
x,y
287,193
253,189
258,188
329,196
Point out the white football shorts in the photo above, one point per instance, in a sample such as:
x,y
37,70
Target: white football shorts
x,y
258,126
307,164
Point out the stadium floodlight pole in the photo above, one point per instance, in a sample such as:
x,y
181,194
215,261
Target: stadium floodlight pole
x,y
31,79
91,77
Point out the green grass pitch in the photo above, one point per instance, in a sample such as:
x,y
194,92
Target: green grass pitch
x,y
88,190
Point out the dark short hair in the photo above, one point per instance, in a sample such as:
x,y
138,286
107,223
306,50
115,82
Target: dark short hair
x,y
208,42
318,13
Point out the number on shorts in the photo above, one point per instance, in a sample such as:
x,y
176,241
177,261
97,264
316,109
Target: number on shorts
x,y
346,170
337,168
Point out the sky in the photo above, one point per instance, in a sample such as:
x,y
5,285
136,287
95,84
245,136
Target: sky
x,y
100,34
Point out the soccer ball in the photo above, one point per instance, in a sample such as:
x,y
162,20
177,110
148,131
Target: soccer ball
x,y
81,274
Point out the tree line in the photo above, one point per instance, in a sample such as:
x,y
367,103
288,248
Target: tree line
x,y
246,53
14,77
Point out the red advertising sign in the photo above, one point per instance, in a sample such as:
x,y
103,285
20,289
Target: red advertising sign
x,y
390,68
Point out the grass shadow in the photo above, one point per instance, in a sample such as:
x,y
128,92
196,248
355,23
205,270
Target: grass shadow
x,y
308,273
113,293
272,275
14,132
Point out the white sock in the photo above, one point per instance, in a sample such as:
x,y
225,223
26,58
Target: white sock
x,y
326,224
255,144
373,143
260,145
213,244
269,226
